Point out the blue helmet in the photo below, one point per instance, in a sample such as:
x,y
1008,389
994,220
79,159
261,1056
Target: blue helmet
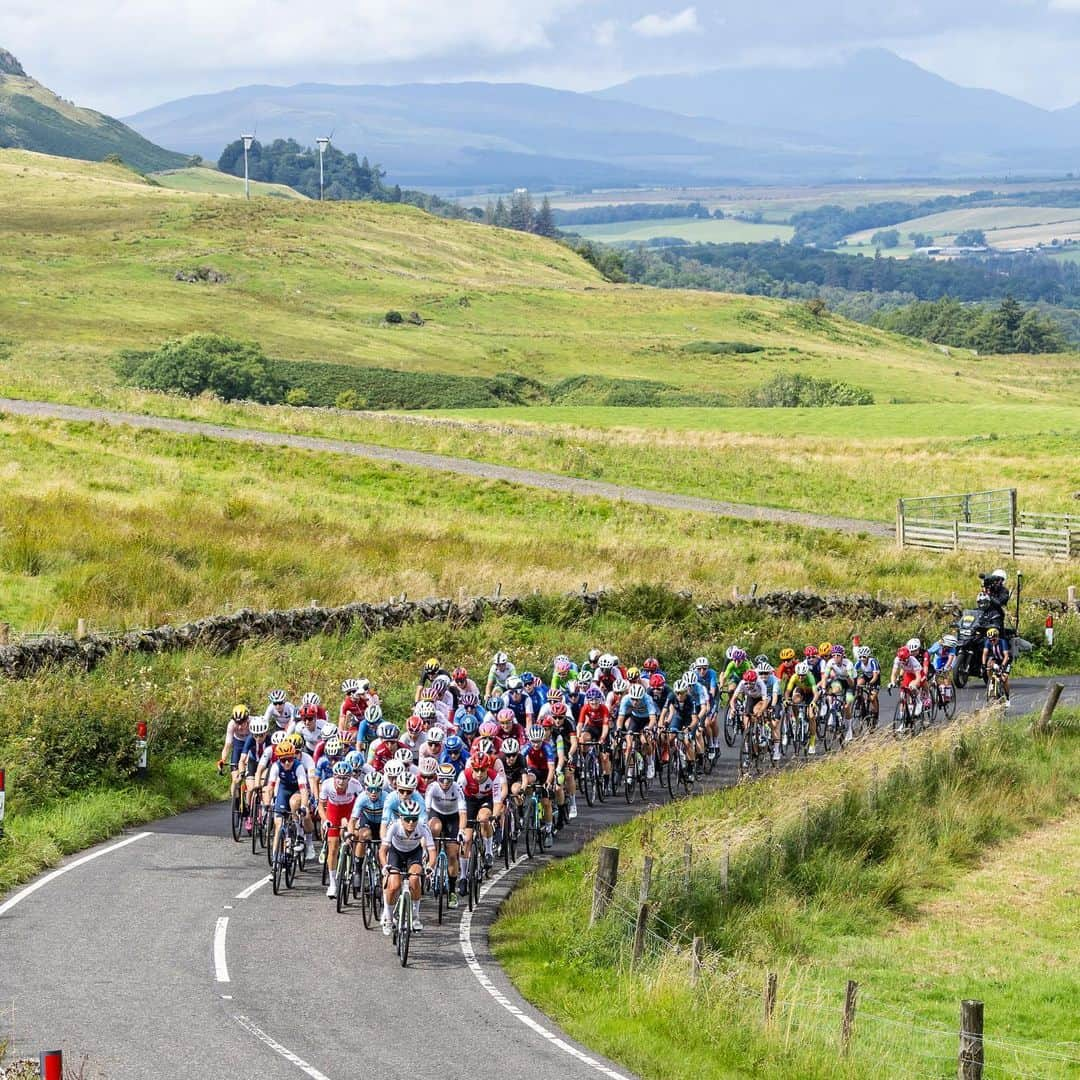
x,y
527,678
469,725
454,744
354,759
494,704
342,768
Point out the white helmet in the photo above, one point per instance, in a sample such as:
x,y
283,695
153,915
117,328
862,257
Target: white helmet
x,y
1000,575
606,662
862,652
277,697
501,659
277,737
329,731
350,686
429,766
311,698
701,661
435,736
950,641
425,710
405,754
394,769
620,686
802,668
763,667
636,692
914,644
682,686
510,747
373,715
406,784
259,725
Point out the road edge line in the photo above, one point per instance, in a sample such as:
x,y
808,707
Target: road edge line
x,y
284,1051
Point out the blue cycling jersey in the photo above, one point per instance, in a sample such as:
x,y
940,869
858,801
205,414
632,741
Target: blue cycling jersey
x,y
458,762
324,768
639,710
253,747
867,669
709,682
371,810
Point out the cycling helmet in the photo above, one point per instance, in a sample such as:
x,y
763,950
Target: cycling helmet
x,y
763,667
562,666
594,695
363,685
513,683
703,661
296,739
480,761
404,753
389,731
342,769
651,665
585,676
914,644
810,652
494,704
485,745
950,641
428,767
409,810
738,655
431,665
429,693
469,700
355,760
454,744
556,695
501,659
487,729
682,686
825,648
761,658
277,697
691,676
406,784
787,654
394,770
277,738
633,674
259,725
594,656
536,733
414,725
511,747
329,731
559,708
334,747
802,668
903,653
620,686
863,652
749,676
309,712
1000,575
838,651
527,678
657,681
606,662
284,750
240,713
375,782
446,772
435,736
461,674
311,698
426,710
469,725
440,684
373,715
350,687
993,632
636,692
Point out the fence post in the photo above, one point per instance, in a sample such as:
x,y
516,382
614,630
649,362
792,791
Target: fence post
x,y
900,523
687,856
1042,725
695,960
1070,600
970,1065
769,1000
851,997
646,879
80,630
1012,509
640,926
956,535
607,873
967,508
1,804
5,633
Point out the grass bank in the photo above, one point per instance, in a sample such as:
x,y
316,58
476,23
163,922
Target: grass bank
x,y
928,873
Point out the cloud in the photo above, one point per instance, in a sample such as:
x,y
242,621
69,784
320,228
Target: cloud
x,y
662,26
604,33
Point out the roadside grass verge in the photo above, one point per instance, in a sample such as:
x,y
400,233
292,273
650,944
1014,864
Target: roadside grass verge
x,y
878,879
38,835
127,527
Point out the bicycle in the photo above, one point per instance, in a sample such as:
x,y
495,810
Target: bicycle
x,y
508,831
589,775
346,862
403,921
634,774
286,858
732,723
862,713
830,719
240,810
995,684
371,893
474,865
904,713
683,771
261,818
757,742
440,879
945,693
799,720
536,837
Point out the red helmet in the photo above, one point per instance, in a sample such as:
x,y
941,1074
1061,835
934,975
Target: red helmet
x,y
478,762
559,708
657,681
460,674
415,724
547,722
749,676
903,653
309,712
651,665
810,650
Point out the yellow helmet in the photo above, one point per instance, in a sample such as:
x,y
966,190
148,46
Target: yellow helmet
x,y
284,749
297,740
432,664
993,632
824,649
633,674
240,712
787,654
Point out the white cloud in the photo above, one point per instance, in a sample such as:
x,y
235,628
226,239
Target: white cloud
x,y
661,26
604,33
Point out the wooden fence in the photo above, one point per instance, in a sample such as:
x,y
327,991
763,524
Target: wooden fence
x,y
986,521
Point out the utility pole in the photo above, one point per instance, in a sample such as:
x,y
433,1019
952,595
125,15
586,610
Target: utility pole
x,y
247,140
323,142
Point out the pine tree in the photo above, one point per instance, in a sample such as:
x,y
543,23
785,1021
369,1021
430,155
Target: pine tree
x,y
522,213
501,217
545,220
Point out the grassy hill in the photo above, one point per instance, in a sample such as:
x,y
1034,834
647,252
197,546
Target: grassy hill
x,y
203,180
35,118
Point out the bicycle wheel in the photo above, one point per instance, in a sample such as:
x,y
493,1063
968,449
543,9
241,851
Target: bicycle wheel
x,y
857,720
291,861
532,840
588,781
277,860
642,767
344,876
404,934
470,868
948,703
367,900
629,780
671,769
731,728
256,826
237,815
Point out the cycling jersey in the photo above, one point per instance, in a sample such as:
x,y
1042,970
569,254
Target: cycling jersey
x,y
840,670
514,769
488,784
514,731
498,676
445,801
280,720
480,714
522,708
324,769
683,713
458,762
594,718
755,691
805,684
367,811
996,650
354,707
308,734
392,806
254,748
637,714
909,669
289,781
538,759
381,751
709,682
561,682
397,838
870,670
735,671
785,670
941,658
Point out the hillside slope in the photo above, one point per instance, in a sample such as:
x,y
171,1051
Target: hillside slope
x,y
35,118
90,256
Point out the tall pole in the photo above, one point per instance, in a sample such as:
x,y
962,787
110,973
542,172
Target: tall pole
x,y
323,142
247,140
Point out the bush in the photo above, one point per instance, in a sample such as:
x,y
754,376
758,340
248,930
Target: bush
x,y
722,348
298,395
201,363
799,391
394,318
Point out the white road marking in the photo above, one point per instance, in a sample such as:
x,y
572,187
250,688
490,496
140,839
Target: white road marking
x,y
287,1054
31,889
465,939
252,889
221,968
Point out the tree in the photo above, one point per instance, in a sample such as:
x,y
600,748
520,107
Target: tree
x,y
545,220
921,240
522,212
501,216
971,238
886,238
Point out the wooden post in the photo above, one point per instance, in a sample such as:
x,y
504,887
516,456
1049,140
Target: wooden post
x,y
956,536
80,630
1070,599
1042,725
5,633
848,1026
640,926
1012,522
687,856
769,998
498,589
607,873
695,960
900,523
646,879
725,869
970,1065
967,508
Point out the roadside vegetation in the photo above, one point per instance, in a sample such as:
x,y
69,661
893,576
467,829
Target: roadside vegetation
x,y
928,873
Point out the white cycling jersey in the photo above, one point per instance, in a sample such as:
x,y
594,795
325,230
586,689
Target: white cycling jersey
x,y
396,837
450,801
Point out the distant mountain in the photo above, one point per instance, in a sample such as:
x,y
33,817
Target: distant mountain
x,y
460,134
32,117
891,111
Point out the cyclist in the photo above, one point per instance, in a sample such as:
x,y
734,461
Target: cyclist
x,y
756,693
455,753
236,737
594,725
463,683
354,701
640,716
943,654
336,800
281,712
540,769
290,783
433,746
367,732
484,784
786,667
365,822
401,854
431,670
912,676
537,692
255,746
520,703
997,656
564,733
868,675
801,689
415,735
500,672
838,676
773,691
385,746
308,726
564,671
470,706
687,710
709,681
447,818
445,695
404,789
738,664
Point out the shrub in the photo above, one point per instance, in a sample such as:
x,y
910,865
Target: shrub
x,y
393,317
800,391
298,395
199,363
348,399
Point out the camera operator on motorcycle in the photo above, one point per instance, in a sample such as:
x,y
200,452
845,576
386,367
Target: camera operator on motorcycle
x,y
992,598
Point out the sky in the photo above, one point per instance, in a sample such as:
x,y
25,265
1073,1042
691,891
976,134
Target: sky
x,y
121,56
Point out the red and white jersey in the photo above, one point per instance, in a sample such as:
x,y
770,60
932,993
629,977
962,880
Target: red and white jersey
x,y
479,785
329,793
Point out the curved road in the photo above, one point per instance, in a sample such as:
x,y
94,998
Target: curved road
x,y
45,410
122,954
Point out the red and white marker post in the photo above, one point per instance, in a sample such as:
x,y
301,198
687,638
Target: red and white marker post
x,y
51,1063
140,747
1049,631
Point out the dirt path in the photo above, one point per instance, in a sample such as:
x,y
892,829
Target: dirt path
x,y
444,463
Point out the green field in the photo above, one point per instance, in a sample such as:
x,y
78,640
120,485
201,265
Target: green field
x,y
695,230
209,181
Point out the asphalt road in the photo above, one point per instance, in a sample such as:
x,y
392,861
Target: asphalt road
x,y
121,955
533,478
